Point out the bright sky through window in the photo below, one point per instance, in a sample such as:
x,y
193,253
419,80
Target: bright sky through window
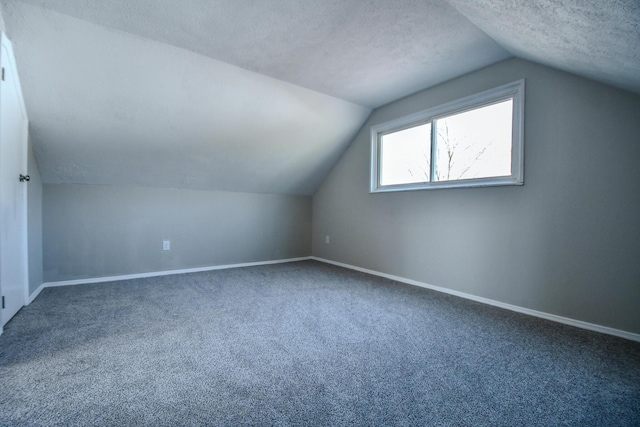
x,y
475,141
475,144
471,144
406,155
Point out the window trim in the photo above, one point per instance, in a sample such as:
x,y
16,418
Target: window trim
x,y
513,91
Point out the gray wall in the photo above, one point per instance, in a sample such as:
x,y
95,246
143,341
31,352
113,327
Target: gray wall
x,y
3,27
34,221
94,231
566,243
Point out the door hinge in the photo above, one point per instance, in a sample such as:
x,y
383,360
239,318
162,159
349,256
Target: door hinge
x,y
2,73
2,302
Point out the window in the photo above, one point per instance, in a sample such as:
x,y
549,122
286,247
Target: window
x,y
473,142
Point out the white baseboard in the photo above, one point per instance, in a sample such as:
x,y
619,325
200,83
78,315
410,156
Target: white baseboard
x,y
165,273
35,294
555,318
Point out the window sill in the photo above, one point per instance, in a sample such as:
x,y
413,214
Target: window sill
x,y
485,182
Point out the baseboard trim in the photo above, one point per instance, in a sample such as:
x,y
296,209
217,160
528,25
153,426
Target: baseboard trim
x,y
553,317
35,294
165,273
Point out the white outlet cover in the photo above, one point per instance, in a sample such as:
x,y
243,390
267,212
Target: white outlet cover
x,y
327,239
166,245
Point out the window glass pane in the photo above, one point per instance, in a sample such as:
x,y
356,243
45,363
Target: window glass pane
x,y
404,156
475,144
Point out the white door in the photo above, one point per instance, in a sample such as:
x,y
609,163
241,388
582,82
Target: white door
x,y
13,162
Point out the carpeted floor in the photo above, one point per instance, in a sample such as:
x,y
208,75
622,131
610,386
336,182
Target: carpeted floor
x,y
302,344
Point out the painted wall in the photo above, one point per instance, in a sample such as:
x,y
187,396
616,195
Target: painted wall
x,y
34,222
565,243
95,231
3,27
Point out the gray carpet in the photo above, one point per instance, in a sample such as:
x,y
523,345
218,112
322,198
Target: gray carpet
x,y
302,344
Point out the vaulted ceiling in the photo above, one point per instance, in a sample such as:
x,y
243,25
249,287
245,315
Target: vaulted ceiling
x,y
241,95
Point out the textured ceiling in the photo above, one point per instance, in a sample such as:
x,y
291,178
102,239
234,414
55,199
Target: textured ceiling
x,y
367,52
592,38
264,96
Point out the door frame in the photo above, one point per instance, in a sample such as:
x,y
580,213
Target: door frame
x,y
8,61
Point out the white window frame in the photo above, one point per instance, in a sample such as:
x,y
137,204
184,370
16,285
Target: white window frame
x,y
513,91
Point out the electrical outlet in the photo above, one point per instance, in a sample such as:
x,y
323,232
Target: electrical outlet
x,y
166,245
327,239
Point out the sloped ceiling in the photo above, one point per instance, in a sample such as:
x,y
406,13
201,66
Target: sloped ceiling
x,y
598,39
240,95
